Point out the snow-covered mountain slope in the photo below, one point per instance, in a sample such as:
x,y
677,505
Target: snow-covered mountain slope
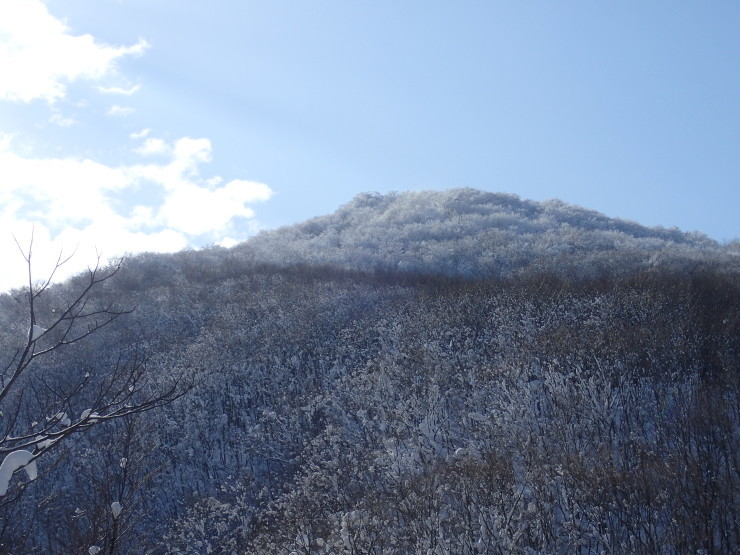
x,y
366,382
470,233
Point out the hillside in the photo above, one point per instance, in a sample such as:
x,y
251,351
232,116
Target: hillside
x,y
456,372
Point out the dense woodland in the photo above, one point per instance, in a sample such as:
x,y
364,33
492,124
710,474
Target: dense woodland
x,y
458,372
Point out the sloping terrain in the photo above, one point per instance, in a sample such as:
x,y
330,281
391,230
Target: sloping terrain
x,y
449,372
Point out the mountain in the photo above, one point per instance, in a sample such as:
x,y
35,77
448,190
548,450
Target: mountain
x,y
457,372
474,234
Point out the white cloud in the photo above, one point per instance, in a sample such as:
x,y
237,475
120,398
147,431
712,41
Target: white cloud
x,y
153,146
227,242
57,191
62,121
192,205
161,204
191,152
119,90
5,140
73,202
120,111
140,134
193,209
39,56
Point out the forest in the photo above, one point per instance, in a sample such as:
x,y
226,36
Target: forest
x,y
428,372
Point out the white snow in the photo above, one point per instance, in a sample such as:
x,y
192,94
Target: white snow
x,y
43,442
116,508
65,421
60,417
15,461
89,413
36,332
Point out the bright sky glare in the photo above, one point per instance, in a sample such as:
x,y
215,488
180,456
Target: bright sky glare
x,y
130,125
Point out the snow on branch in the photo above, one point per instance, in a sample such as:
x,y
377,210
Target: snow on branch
x,y
15,461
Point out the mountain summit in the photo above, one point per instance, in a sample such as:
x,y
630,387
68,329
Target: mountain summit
x,y
471,233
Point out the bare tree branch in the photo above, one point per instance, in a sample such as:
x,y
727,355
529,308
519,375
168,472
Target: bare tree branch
x,y
122,390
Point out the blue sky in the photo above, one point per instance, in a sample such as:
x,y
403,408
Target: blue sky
x,y
129,125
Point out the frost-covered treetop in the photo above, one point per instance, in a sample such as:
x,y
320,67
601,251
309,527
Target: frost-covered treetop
x,y
466,232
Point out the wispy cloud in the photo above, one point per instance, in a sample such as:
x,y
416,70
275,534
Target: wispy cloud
x,y
140,134
39,56
62,121
120,90
120,111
